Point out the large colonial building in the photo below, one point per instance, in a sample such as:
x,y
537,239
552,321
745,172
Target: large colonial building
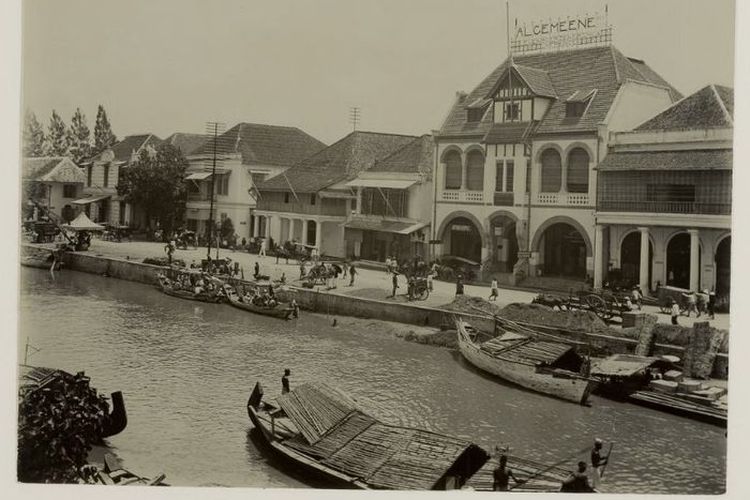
x,y
101,202
516,158
665,197
311,202
248,154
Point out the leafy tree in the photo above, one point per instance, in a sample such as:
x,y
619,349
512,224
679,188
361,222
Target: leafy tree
x,y
33,136
227,229
103,136
80,147
58,136
155,181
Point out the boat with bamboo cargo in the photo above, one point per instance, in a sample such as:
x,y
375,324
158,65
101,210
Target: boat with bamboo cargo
x,y
320,430
545,366
656,382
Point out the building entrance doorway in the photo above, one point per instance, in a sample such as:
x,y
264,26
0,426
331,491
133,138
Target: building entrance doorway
x,y
564,251
464,239
630,259
678,261
723,266
504,244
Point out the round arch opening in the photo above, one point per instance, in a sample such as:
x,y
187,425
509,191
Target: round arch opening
x,y
564,251
723,266
678,261
504,243
463,239
630,259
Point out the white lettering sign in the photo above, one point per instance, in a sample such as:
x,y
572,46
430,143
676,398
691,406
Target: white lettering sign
x,y
561,33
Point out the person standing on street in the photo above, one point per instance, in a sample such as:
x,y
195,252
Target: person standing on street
x,y
394,281
352,273
257,271
262,250
711,303
387,266
493,290
460,285
675,310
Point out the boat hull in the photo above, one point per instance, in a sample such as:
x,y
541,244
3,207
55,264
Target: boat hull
x,y
572,389
275,312
184,294
300,462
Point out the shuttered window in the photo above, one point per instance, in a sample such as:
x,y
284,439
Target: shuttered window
x,y
475,171
452,170
551,171
578,171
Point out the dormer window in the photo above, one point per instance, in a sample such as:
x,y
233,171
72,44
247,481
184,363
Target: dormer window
x,y
577,104
475,111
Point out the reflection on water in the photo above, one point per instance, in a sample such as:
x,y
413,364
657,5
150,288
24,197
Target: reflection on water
x,y
186,370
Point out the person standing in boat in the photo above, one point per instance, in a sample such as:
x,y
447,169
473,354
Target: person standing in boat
x,y
285,381
502,475
597,462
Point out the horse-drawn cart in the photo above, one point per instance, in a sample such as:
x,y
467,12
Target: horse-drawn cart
x,y
604,304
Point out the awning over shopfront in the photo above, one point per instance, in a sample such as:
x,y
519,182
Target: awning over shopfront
x,y
91,199
385,226
382,183
198,176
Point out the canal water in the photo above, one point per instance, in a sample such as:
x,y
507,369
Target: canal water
x,y
186,370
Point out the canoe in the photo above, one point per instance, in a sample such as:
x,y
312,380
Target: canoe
x,y
281,310
114,475
320,431
188,295
541,366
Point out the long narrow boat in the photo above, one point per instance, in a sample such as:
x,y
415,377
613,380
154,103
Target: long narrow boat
x,y
280,310
167,288
320,431
547,367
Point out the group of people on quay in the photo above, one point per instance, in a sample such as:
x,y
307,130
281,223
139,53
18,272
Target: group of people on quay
x,y
703,302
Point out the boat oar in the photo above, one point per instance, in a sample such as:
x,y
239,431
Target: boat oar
x,y
539,473
609,454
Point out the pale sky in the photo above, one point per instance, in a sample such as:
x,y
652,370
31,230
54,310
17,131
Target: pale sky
x,y
165,66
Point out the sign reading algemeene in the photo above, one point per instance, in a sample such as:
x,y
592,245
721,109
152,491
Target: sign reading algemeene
x,y
560,33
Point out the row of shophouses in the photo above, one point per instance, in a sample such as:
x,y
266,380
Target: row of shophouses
x,y
582,163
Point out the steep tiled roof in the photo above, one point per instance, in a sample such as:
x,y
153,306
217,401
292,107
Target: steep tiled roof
x,y
124,149
538,80
187,143
51,169
710,159
601,68
344,159
265,144
416,157
710,107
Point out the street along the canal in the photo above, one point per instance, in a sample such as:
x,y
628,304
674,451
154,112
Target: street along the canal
x,y
186,369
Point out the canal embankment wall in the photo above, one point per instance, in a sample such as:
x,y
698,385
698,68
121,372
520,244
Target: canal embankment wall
x,y
336,304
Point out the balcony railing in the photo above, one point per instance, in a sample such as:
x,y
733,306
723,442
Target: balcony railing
x,y
462,196
563,199
665,207
503,199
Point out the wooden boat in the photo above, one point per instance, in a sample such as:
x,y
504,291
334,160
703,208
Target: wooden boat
x,y
547,367
165,287
34,378
627,377
114,475
280,310
319,430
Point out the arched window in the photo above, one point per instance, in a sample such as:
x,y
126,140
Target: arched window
x,y
551,171
578,171
475,171
452,170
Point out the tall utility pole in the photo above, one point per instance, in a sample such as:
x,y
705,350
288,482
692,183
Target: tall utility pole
x,y
213,130
354,116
